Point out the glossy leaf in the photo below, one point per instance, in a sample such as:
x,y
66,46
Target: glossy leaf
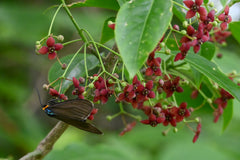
x,y
207,50
107,4
76,69
198,77
121,2
227,115
107,33
205,1
234,27
177,11
172,45
140,25
223,2
212,71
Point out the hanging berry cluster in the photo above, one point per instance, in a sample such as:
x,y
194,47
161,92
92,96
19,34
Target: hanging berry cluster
x,y
153,90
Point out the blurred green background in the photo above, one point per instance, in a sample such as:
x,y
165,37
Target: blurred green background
x,y
23,125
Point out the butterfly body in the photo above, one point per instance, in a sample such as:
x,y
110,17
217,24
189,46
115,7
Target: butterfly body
x,y
74,112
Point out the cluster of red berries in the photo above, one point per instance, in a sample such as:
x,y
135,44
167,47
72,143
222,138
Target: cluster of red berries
x,y
102,90
56,94
141,94
79,90
195,38
168,115
137,93
51,48
222,103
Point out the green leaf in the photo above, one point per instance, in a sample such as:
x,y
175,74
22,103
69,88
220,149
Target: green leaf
x,y
234,27
121,2
76,69
212,71
198,77
140,24
208,50
205,1
227,115
177,11
107,33
223,2
172,45
108,4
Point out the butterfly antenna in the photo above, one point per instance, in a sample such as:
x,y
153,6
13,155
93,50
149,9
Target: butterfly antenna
x,y
39,98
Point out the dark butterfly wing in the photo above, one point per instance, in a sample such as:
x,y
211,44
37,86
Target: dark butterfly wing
x,y
81,124
78,109
73,112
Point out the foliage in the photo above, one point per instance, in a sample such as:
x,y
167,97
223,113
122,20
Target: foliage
x,y
143,29
171,67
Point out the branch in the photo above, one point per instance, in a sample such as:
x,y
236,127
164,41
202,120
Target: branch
x,y
47,143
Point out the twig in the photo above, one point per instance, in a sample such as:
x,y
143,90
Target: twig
x,y
111,59
47,143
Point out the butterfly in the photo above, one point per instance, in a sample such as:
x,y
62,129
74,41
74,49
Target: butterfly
x,y
74,112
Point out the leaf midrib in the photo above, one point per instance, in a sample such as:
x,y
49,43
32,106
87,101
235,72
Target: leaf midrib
x,y
143,29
